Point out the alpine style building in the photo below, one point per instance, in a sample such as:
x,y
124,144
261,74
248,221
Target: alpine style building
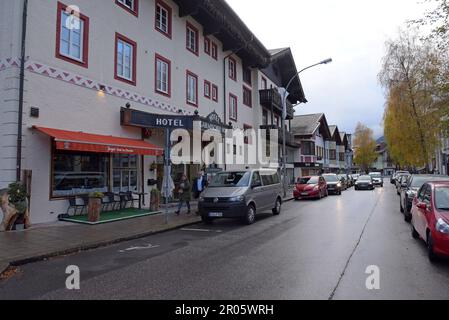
x,y
87,86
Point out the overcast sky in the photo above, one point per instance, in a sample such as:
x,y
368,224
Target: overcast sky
x,y
351,32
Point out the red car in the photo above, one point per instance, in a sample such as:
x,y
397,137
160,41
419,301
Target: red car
x,y
310,187
430,218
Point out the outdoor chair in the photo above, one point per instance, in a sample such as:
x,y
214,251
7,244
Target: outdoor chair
x,y
127,198
105,203
114,200
76,203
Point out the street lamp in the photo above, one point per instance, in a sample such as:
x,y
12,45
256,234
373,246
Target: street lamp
x,y
284,93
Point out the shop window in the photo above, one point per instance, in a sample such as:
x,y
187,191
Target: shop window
x,y
75,173
125,173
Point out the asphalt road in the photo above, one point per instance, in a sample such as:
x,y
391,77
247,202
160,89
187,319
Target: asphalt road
x,y
313,250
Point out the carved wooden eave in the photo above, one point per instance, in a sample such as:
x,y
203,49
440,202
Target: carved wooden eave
x,y
218,19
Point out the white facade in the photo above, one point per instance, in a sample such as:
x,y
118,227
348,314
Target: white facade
x,y
89,98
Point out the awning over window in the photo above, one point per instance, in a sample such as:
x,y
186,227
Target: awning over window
x,y
80,141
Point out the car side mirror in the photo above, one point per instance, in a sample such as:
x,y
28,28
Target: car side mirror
x,y
256,185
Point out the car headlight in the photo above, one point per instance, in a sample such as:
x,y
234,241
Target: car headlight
x,y
339,184
442,226
201,199
237,199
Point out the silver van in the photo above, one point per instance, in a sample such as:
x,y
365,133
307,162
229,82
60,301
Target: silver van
x,y
241,194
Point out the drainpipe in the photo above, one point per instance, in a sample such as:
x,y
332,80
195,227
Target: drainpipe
x,y
21,92
225,114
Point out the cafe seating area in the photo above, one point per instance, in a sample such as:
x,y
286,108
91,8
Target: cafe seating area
x,y
111,202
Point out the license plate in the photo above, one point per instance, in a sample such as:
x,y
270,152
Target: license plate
x,y
216,214
304,194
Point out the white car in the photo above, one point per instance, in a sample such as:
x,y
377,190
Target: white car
x,y
378,180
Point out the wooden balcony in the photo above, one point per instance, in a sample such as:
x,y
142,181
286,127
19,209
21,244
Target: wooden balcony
x,y
272,100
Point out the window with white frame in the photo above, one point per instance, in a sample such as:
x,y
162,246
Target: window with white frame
x,y
233,107
232,69
192,39
207,89
215,93
71,36
214,51
192,89
130,4
162,75
125,59
163,18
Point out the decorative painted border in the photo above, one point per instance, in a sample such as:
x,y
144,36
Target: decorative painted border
x,y
82,81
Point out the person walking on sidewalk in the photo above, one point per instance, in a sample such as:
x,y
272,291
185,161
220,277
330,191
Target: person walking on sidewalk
x,y
199,184
184,194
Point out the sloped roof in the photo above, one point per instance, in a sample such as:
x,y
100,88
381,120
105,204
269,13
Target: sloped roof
x,y
284,67
332,129
274,52
306,125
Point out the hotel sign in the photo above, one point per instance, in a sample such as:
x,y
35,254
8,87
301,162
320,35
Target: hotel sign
x,y
142,119
135,118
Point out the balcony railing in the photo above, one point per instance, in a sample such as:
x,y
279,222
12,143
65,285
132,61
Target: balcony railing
x,y
289,137
271,99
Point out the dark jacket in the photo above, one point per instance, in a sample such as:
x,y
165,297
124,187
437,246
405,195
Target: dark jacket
x,y
195,186
186,194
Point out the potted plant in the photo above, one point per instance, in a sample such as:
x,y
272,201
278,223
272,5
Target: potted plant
x,y
155,200
94,206
18,198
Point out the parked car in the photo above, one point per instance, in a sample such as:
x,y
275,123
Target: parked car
x,y
410,190
430,218
241,194
344,181
334,185
395,176
310,187
378,180
401,181
365,183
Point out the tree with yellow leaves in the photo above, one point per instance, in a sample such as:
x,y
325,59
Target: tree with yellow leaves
x,y
364,146
412,74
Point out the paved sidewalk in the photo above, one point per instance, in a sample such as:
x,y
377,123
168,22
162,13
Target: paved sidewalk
x,y
40,242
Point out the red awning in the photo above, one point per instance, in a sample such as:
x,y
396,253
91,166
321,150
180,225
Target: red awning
x,y
80,141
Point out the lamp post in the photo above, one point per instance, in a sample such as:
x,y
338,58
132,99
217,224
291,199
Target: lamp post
x,y
284,94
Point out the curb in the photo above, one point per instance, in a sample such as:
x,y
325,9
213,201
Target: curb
x,y
5,265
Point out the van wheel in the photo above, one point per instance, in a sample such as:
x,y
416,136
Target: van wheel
x,y
250,216
207,220
277,207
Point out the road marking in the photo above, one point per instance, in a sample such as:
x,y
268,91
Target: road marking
x,y
201,230
150,246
